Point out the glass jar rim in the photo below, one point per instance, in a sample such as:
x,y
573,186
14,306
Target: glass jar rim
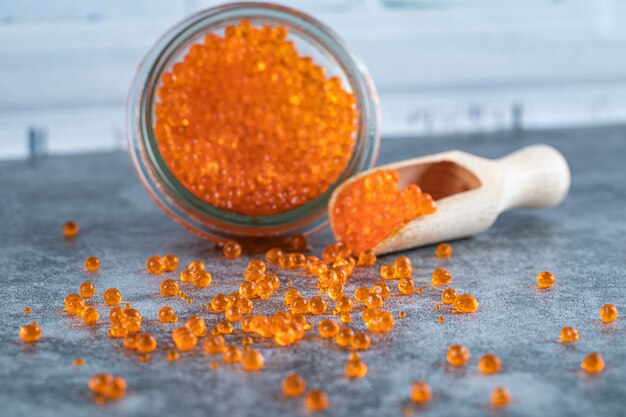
x,y
196,214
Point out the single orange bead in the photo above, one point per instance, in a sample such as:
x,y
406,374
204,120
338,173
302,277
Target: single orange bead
x,y
31,332
361,341
170,262
545,279
489,364
232,354
500,397
444,250
406,286
299,305
344,336
196,325
361,293
224,327
291,295
293,385
457,355
70,229
421,392
327,328
154,265
202,279
387,272
172,355
608,313
381,288
92,264
74,304
272,255
252,360
112,296
316,305
100,383
90,316
569,334
232,250
402,267
344,305
169,288
366,258
247,289
593,363
219,303
184,339
87,289
465,303
316,400
374,301
130,340
214,344
355,369
448,296
145,343
167,315
196,266
441,276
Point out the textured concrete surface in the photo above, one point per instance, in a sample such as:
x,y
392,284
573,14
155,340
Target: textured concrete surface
x,y
583,242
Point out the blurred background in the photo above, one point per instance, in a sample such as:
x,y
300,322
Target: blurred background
x,y
440,66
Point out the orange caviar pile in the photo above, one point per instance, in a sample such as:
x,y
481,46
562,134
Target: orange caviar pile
x,y
374,207
250,126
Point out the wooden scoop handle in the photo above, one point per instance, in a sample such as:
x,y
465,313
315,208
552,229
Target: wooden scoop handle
x,y
533,177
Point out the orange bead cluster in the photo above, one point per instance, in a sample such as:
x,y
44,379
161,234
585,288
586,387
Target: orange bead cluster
x,y
229,98
107,387
374,207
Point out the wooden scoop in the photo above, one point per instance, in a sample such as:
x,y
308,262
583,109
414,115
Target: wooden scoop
x,y
472,191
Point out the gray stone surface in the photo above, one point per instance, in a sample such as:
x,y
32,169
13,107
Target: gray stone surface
x,y
583,242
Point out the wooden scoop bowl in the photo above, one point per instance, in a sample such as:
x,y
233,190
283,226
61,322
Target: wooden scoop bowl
x,y
471,191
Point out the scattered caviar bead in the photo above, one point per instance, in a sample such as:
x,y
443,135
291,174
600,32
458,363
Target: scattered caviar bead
x,y
87,289
593,363
219,303
172,355
421,392
100,383
316,400
327,328
186,276
381,288
169,288
420,290
26,310
380,321
361,293
30,333
444,250
170,262
184,339
257,264
109,387
112,296
366,258
374,301
300,305
196,266
361,341
344,305
298,243
387,271
202,279
441,319
406,286
74,304
293,385
500,397
196,325
569,334
316,305
441,276
214,344
355,369
545,279
291,295
145,343
368,314
252,360
117,315
224,327
232,354
167,315
457,355
233,313
402,314
335,290
383,208
272,255
465,303
92,264
154,265
90,316
344,336
345,318
489,364
117,330
130,340
232,250
70,229
132,320
247,289
402,267
608,313
448,296
437,307
78,361
272,279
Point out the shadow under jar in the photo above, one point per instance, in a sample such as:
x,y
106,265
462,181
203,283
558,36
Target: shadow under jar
x,y
213,216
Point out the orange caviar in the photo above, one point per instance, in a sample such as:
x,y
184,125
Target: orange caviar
x,y
154,265
252,360
184,339
74,304
232,354
90,316
231,250
361,341
373,207
344,336
167,315
107,386
31,332
293,385
444,250
87,289
457,355
172,355
608,313
421,392
406,286
448,296
465,303
593,363
387,272
196,325
27,310
569,334
214,344
145,342
170,262
169,288
545,279
70,229
316,400
202,279
78,361
213,130
355,368
366,258
500,397
328,328
92,264
441,276
112,296
489,364
316,305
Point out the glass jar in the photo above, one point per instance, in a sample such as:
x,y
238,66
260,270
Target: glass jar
x,y
311,38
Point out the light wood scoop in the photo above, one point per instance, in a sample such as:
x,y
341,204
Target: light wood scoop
x,y
472,191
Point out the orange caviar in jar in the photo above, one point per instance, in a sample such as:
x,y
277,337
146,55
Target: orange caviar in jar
x,y
374,207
